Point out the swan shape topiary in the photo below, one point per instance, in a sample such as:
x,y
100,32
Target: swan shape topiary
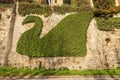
x,y
67,39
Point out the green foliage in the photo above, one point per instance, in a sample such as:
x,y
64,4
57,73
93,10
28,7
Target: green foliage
x,y
104,4
102,13
26,8
8,71
116,9
67,9
5,5
104,8
66,1
64,9
108,24
68,38
6,1
26,0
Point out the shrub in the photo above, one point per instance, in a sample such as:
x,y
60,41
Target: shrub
x,y
67,9
68,38
104,4
3,6
26,8
104,8
63,9
115,9
25,0
102,13
108,24
66,1
6,1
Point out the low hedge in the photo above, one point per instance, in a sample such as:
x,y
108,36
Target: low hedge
x,y
68,38
26,8
6,5
108,24
67,9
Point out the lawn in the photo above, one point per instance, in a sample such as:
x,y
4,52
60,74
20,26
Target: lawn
x,y
8,71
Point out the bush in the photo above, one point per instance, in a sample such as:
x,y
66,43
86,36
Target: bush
x,y
26,8
3,6
108,24
115,9
102,13
67,9
67,1
104,8
63,9
26,0
6,1
104,4
68,38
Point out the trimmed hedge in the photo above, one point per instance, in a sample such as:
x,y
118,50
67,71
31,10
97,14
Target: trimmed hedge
x,y
6,1
6,5
108,24
67,9
26,8
26,0
68,38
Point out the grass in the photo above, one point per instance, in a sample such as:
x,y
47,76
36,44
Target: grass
x,y
67,39
108,24
8,71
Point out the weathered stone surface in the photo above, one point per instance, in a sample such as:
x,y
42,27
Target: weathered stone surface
x,y
4,27
103,50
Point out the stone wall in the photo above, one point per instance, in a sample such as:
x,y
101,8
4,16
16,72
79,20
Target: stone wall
x,y
103,50
4,28
50,22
